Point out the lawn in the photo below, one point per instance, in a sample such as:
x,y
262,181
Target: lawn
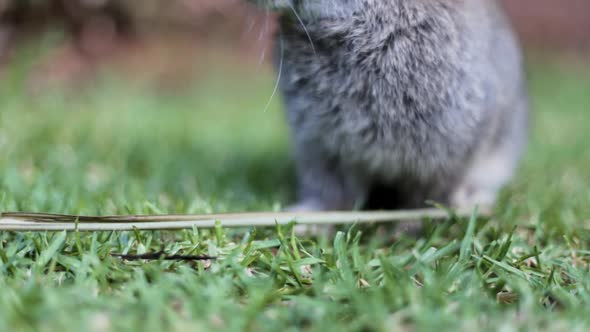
x,y
117,147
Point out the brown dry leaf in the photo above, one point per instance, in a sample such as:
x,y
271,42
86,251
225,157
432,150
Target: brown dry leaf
x,y
506,297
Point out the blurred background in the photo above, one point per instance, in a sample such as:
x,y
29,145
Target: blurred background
x,y
166,41
123,106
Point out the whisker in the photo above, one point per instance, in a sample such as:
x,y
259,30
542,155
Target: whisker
x,y
280,70
251,23
264,48
264,27
304,28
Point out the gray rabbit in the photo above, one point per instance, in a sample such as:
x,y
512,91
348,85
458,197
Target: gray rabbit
x,y
393,103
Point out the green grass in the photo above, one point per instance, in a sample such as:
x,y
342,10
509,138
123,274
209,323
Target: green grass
x,y
117,148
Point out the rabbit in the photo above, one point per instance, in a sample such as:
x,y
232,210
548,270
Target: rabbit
x,y
393,104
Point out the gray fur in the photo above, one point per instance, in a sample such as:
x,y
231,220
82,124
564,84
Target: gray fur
x,y
423,97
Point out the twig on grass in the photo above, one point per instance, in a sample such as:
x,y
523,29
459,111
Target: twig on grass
x,y
161,255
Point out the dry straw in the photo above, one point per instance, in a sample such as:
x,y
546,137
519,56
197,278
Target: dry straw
x,y
17,221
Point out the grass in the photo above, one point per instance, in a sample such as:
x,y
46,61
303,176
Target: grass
x,y
118,148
